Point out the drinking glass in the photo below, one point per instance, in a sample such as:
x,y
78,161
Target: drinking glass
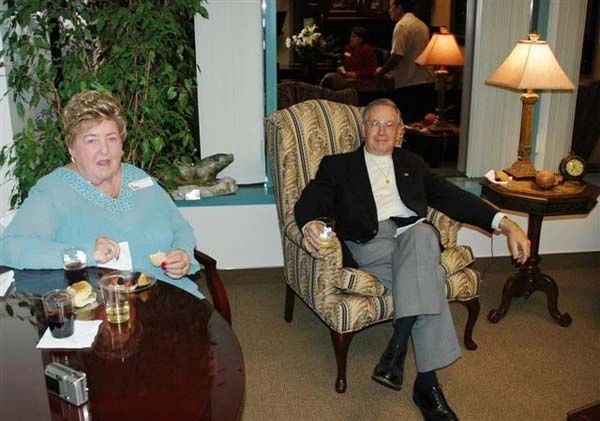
x,y
58,306
326,234
115,288
75,265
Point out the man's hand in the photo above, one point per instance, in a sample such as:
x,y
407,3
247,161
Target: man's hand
x,y
177,264
388,66
518,243
105,249
312,241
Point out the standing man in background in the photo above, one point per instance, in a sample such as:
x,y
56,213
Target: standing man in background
x,y
414,92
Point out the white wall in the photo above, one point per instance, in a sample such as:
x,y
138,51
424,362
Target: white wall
x,y
237,236
495,113
229,55
6,134
248,236
560,234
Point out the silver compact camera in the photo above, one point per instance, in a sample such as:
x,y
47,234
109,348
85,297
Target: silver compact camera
x,y
66,383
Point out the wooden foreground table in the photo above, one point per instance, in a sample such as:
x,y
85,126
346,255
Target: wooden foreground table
x,y
177,359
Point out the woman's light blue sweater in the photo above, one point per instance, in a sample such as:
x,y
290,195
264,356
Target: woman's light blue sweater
x,y
65,210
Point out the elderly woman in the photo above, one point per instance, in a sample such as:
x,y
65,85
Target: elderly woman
x,y
96,201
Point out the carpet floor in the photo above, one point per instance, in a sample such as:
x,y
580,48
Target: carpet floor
x,y
527,367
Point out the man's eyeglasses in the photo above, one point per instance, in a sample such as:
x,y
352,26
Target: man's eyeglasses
x,y
376,124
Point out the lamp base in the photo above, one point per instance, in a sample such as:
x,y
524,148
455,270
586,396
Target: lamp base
x,y
521,170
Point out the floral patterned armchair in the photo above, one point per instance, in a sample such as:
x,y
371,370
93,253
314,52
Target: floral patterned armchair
x,y
346,299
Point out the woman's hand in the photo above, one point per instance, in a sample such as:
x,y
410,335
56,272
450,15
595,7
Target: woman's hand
x,y
177,264
106,249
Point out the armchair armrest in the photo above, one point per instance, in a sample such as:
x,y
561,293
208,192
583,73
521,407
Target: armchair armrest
x,y
447,227
328,268
292,232
215,284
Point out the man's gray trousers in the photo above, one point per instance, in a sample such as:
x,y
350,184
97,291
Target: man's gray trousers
x,y
409,266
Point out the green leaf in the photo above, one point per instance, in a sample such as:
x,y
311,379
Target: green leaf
x,y
20,110
171,92
158,144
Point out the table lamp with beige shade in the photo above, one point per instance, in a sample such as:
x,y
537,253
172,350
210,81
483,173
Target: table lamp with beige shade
x,y
442,51
530,66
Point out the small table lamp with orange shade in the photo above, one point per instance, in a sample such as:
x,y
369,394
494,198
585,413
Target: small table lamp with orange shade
x,y
442,51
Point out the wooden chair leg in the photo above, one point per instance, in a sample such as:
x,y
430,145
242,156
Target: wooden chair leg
x,y
215,284
290,296
473,307
341,343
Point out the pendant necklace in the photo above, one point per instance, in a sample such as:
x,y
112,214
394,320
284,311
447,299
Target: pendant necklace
x,y
385,174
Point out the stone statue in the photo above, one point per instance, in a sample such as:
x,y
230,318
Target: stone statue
x,y
200,180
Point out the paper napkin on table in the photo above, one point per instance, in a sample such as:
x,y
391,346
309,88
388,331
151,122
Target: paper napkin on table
x,y
6,280
491,176
83,336
124,262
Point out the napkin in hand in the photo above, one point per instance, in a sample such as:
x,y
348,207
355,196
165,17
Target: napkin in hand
x,y
124,261
6,280
83,336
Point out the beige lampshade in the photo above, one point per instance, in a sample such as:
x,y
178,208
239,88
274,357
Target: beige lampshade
x,y
531,65
442,50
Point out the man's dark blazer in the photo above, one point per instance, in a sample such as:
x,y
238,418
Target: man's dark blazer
x,y
341,189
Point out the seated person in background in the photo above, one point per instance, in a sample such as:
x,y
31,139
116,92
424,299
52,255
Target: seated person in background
x,y
378,196
96,201
358,61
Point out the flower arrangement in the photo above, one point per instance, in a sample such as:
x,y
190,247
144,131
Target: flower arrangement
x,y
309,46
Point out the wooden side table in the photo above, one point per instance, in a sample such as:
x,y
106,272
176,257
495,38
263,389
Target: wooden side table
x,y
570,198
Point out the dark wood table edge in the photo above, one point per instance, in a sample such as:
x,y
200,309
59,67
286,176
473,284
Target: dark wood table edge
x,y
588,412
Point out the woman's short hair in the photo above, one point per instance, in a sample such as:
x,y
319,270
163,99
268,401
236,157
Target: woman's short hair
x,y
91,106
360,31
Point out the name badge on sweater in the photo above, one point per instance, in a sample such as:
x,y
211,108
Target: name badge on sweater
x,y
142,183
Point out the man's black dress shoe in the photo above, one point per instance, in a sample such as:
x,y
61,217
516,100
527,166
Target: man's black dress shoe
x,y
432,404
390,369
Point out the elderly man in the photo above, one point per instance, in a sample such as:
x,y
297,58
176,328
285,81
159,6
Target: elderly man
x,y
414,84
379,196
